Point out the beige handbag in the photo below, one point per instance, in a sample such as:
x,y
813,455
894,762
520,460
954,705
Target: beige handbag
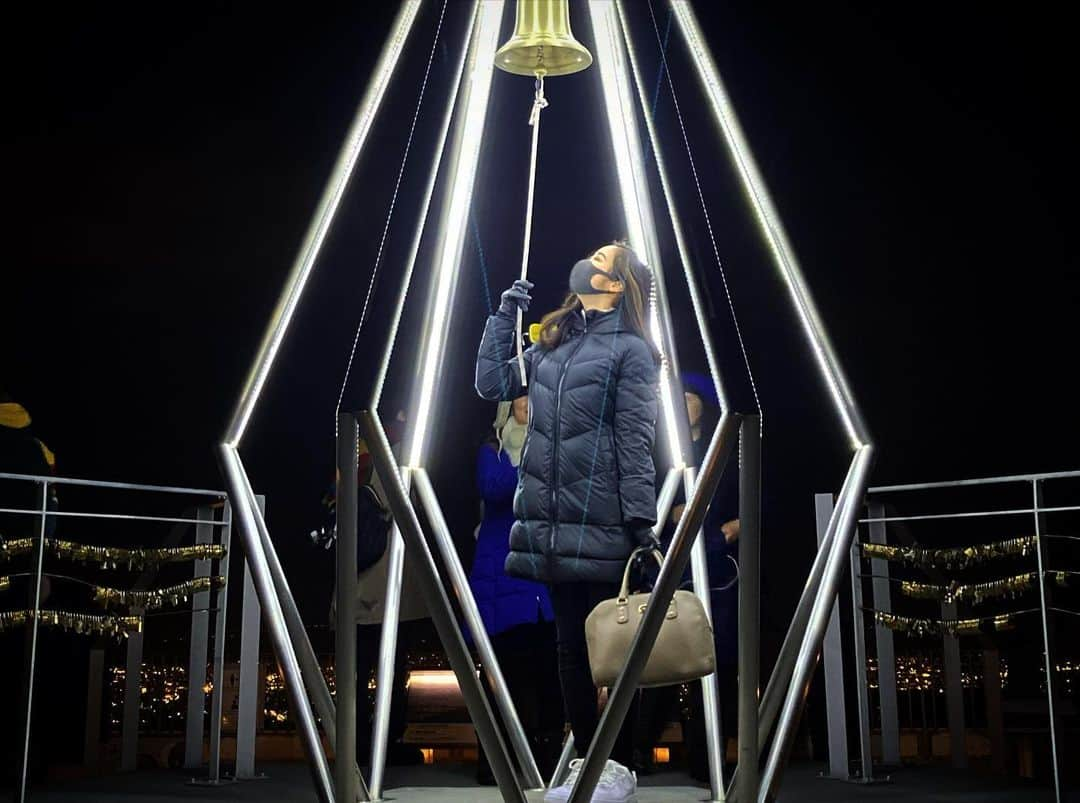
x,y
683,651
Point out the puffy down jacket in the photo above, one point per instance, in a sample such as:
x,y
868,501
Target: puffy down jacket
x,y
586,494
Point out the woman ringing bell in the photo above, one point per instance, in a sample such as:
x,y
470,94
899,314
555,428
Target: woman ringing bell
x,y
586,494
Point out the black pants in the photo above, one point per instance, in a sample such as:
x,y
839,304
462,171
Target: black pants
x,y
526,657
572,603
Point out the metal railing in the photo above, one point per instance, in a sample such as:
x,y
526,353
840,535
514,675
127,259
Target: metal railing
x,y
883,528
206,520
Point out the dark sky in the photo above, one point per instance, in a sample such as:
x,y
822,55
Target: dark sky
x,y
161,166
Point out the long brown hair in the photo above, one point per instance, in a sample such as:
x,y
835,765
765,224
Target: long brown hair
x,y
633,306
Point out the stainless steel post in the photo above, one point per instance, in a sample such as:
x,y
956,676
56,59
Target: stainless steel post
x,y
384,670
620,697
248,704
95,685
459,581
345,633
666,498
221,599
710,691
310,671
1051,694
31,663
862,686
563,764
749,603
275,623
129,733
200,641
833,653
780,677
883,639
847,506
442,615
954,691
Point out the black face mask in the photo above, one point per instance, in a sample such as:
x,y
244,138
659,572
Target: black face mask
x,y
581,278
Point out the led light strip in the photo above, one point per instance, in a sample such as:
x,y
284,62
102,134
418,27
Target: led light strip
x,y
772,228
641,231
320,224
455,219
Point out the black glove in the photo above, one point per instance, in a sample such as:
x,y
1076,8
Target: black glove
x,y
643,535
517,297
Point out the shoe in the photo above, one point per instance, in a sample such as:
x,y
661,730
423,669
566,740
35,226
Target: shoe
x,y
617,784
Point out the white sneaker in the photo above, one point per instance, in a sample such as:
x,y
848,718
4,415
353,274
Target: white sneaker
x,y
617,784
559,794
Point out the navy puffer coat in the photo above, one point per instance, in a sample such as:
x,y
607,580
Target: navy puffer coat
x,y
586,494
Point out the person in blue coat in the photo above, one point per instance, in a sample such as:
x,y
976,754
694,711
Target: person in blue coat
x,y
516,613
586,495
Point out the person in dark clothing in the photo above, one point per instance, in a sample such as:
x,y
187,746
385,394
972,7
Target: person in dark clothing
x,y
586,496
721,530
516,613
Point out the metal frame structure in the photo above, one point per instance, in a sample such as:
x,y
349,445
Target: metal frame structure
x,y
209,528
791,675
877,522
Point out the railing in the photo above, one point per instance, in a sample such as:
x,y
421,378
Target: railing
x,y
199,534
922,526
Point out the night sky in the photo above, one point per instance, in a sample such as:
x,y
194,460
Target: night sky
x,y
161,166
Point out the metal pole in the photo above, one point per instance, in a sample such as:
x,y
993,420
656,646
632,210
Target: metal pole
x,y
620,697
248,702
563,764
710,691
442,615
833,652
31,663
749,603
200,641
954,691
129,734
666,498
221,599
384,670
460,583
1036,495
95,683
345,635
275,623
847,508
771,700
310,671
883,638
862,688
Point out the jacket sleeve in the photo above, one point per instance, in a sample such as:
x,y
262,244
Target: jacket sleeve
x,y
496,479
497,376
635,431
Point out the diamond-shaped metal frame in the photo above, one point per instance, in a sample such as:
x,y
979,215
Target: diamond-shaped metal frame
x,y
784,693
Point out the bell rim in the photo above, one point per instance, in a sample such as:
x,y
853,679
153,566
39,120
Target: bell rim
x,y
568,68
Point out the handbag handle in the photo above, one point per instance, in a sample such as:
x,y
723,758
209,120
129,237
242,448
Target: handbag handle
x,y
624,591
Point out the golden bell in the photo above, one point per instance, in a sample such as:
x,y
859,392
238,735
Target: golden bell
x,y
542,43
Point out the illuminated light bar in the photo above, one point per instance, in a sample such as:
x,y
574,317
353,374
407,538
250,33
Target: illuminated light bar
x,y
680,240
455,218
772,228
320,224
425,206
633,185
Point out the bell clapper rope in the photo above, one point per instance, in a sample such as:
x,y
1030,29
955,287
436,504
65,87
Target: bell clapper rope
x,y
539,103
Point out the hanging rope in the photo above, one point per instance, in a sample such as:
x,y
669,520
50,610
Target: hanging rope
x,y
539,103
705,211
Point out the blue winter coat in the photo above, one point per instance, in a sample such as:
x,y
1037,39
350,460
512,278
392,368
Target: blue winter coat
x,y
586,494
504,601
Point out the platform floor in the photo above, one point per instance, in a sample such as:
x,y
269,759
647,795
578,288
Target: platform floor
x,y
290,783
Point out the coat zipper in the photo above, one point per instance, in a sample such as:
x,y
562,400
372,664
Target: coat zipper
x,y
555,444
